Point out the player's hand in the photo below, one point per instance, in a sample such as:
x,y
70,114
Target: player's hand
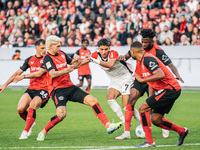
x,y
76,57
69,69
2,88
18,78
121,57
87,56
179,78
138,77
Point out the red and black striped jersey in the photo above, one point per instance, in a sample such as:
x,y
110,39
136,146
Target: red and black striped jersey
x,y
35,63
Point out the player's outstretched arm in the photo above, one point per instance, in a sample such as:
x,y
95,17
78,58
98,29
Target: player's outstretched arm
x,y
175,71
53,73
36,74
124,58
18,72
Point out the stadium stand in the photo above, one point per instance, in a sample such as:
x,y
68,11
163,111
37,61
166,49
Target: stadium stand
x,y
23,21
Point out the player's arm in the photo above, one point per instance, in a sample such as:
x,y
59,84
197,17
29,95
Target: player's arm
x,y
36,74
18,72
48,63
167,61
175,72
125,57
23,68
154,68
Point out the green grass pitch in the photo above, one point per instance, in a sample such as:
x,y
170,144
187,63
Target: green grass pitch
x,y
82,130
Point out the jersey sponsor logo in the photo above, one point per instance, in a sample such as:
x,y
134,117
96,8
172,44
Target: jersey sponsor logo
x,y
145,74
61,65
34,68
82,57
61,98
48,64
152,65
165,58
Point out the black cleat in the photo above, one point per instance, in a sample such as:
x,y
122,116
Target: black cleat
x,y
182,137
146,144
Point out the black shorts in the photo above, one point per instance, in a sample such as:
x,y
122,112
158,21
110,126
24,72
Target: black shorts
x,y
141,87
62,95
162,101
43,94
81,78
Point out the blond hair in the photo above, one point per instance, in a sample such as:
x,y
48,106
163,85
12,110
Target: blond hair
x,y
52,39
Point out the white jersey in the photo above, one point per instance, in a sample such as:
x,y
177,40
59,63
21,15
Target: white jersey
x,y
120,74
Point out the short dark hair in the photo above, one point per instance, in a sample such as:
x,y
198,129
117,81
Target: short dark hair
x,y
147,33
17,51
37,42
136,44
83,40
104,42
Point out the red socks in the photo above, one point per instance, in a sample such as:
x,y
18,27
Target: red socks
x,y
101,115
54,120
166,124
30,118
146,125
128,117
23,115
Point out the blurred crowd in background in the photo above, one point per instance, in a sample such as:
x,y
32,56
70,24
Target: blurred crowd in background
x,y
175,22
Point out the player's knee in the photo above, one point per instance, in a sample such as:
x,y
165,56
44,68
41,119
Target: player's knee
x,y
141,109
109,96
156,121
20,109
61,115
35,104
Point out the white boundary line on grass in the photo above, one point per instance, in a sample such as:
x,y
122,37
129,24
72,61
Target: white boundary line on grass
x,y
92,147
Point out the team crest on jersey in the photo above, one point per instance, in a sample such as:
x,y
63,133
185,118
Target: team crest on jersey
x,y
62,56
165,58
152,65
48,64
41,61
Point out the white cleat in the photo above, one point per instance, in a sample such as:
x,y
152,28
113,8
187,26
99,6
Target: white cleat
x,y
24,135
113,127
125,135
41,136
30,130
165,133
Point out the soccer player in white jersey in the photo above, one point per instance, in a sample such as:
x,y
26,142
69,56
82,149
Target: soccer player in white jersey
x,y
120,74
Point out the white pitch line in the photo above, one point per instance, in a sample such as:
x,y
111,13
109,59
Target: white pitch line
x,y
92,147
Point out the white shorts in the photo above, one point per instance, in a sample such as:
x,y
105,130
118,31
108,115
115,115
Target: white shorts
x,y
123,86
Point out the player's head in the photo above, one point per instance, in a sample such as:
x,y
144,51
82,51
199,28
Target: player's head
x,y
40,48
104,47
136,49
53,44
147,38
85,43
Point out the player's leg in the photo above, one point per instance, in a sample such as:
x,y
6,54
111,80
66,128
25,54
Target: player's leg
x,y
112,94
23,105
167,100
84,98
146,125
134,95
89,79
81,78
60,99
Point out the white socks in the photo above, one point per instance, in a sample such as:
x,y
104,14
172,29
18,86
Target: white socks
x,y
116,109
136,115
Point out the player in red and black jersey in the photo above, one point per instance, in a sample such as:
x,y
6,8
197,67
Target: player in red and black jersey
x,y
167,90
63,90
36,95
84,71
138,88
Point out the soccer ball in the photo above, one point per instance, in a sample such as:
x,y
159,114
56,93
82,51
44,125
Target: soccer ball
x,y
139,131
